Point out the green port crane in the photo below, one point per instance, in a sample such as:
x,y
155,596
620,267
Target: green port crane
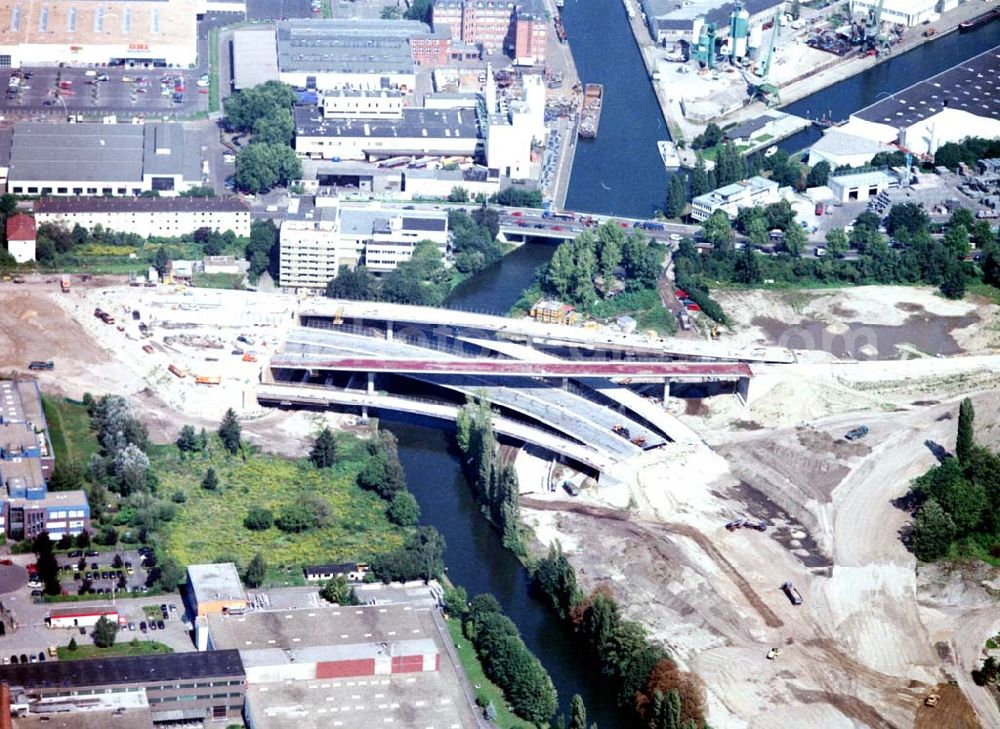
x,y
874,37
765,89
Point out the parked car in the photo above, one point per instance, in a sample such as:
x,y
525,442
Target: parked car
x,y
142,626
160,625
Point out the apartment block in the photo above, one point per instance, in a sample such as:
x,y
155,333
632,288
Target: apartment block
x,y
153,216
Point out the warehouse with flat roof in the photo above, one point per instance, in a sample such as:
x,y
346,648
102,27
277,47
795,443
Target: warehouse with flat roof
x,y
215,588
103,159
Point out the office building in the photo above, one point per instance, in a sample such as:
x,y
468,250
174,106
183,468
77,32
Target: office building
x,y
26,463
519,29
89,32
103,159
730,198
321,235
148,216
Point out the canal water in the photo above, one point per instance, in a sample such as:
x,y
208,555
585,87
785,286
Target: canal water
x,y
618,173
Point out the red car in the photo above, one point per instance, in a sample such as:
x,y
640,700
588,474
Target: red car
x,y
623,224
556,227
517,213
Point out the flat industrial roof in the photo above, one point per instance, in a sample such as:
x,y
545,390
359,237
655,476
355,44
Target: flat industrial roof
x,y
65,205
676,15
216,582
972,86
255,57
415,123
427,699
324,626
124,670
347,46
23,473
131,718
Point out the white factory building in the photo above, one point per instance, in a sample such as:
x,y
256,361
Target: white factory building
x,y
147,216
839,149
730,198
512,125
90,32
962,102
861,186
322,234
904,12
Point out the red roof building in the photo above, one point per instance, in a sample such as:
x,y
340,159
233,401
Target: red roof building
x,y
21,237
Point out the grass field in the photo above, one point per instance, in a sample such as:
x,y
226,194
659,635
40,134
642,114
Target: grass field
x,y
124,647
213,71
217,281
209,527
482,685
69,429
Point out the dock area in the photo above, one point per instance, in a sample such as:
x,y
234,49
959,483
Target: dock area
x,y
798,70
568,93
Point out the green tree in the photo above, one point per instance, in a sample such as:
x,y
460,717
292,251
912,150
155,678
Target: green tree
x,y
72,644
211,480
324,450
676,195
256,571
419,10
956,240
700,182
229,431
906,218
246,107
965,440
953,284
458,194
353,284
933,532
276,128
819,174
403,509
261,166
555,578
756,231
456,601
747,270
161,261
963,217
981,233
263,250
46,564
718,231
577,713
339,591
795,240
258,519
708,138
559,274
171,574
105,632
187,440
836,242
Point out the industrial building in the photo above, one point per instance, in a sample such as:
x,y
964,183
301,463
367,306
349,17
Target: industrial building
x,y
177,687
860,186
26,463
839,149
903,12
519,29
398,182
148,216
90,32
670,21
255,57
961,102
433,132
21,235
360,664
362,104
215,588
103,159
755,191
320,235
81,617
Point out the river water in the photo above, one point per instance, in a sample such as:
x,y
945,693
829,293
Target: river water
x,y
618,173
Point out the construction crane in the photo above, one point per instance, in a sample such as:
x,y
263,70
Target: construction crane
x,y
875,40
765,89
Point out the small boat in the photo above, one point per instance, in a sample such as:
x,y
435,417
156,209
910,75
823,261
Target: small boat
x,y
771,151
668,153
559,4
975,22
590,112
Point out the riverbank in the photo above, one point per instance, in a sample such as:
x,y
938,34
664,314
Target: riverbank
x,y
800,86
559,61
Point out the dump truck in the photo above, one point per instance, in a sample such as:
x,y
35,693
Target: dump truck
x,y
208,380
857,434
793,595
64,284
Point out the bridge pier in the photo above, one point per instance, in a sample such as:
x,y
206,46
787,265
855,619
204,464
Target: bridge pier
x,y
371,383
388,330
743,390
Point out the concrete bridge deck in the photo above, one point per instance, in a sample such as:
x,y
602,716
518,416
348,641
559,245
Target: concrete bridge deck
x,y
454,323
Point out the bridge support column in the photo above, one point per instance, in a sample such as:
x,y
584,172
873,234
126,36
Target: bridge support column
x,y
388,330
743,390
371,383
666,393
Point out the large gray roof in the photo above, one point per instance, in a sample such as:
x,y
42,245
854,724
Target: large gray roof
x,y
359,46
972,86
96,152
103,152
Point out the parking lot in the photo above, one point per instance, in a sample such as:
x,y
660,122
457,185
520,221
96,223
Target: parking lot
x,y
52,91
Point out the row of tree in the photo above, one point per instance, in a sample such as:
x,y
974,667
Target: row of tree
x,y
494,482
421,280
646,682
507,661
383,474
958,501
590,263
